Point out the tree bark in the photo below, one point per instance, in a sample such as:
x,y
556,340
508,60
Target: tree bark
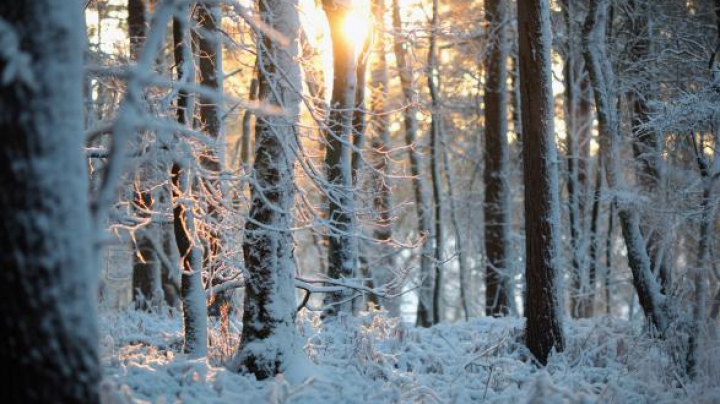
x,y
49,265
342,243
497,192
269,339
192,294
543,310
146,278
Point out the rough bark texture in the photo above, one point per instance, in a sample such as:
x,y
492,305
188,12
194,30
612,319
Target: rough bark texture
x,y
648,289
497,192
420,186
269,334
49,266
342,243
191,290
543,313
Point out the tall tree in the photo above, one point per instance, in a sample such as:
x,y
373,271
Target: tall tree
x,y
420,186
48,242
269,334
146,278
498,298
382,271
191,288
342,248
543,309
436,161
578,124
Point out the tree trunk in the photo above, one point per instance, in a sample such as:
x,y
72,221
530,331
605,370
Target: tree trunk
x,y
247,125
342,244
435,128
646,142
543,309
192,294
576,140
382,270
699,274
597,60
48,260
146,278
498,299
608,259
269,339
420,187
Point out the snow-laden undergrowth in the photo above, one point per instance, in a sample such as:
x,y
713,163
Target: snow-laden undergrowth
x,y
373,359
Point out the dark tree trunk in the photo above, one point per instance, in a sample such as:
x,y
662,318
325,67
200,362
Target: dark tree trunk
x,y
191,292
146,278
646,142
342,248
269,334
543,312
48,281
436,152
497,192
420,187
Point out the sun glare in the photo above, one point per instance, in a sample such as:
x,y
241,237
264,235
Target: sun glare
x,y
356,26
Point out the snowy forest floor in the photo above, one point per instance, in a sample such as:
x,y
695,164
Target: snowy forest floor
x,y
373,359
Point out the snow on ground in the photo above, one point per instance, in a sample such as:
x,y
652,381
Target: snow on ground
x,y
373,359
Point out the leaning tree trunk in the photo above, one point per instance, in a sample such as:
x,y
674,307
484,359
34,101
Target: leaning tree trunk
x,y
420,186
498,299
269,338
192,294
342,248
543,309
646,285
48,260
